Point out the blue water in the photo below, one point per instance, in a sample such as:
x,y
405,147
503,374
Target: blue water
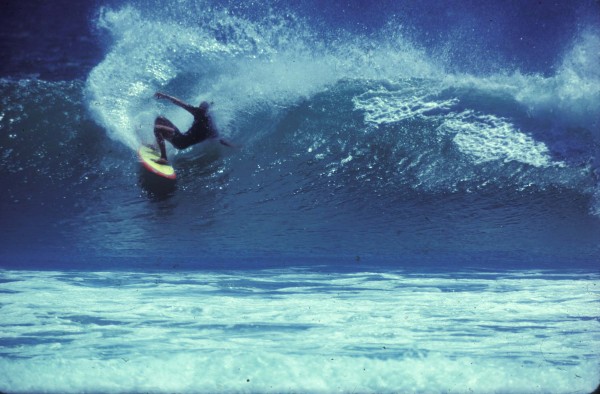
x,y
414,205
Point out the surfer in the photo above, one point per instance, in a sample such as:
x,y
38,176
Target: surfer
x,y
202,129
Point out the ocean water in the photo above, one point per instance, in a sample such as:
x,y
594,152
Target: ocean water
x,y
413,204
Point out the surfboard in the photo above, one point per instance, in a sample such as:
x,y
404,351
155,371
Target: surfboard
x,y
148,157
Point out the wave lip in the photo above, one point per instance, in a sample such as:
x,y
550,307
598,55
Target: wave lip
x,y
241,64
145,56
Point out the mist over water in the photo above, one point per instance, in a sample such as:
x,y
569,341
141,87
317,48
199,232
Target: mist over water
x,y
243,65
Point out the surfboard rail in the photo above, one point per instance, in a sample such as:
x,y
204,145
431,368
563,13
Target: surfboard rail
x,y
148,157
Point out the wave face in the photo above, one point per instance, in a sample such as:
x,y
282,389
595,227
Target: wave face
x,y
360,135
261,69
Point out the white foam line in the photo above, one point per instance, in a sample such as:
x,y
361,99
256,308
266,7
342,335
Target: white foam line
x,y
283,331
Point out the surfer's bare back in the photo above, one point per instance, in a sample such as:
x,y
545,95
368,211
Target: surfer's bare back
x,y
202,129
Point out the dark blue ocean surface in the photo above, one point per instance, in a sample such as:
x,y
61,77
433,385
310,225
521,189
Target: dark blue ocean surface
x,y
401,160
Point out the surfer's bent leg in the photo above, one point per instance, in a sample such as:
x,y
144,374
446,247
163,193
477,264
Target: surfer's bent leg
x,y
164,129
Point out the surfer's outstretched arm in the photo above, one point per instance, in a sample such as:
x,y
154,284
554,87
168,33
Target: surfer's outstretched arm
x,y
175,101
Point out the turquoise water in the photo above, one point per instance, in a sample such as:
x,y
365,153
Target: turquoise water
x,y
294,329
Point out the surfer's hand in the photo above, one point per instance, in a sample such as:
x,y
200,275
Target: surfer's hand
x,y
159,95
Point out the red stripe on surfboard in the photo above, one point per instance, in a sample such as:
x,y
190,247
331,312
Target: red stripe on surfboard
x,y
153,170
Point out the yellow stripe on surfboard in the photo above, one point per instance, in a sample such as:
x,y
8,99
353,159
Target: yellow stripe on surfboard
x,y
147,158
